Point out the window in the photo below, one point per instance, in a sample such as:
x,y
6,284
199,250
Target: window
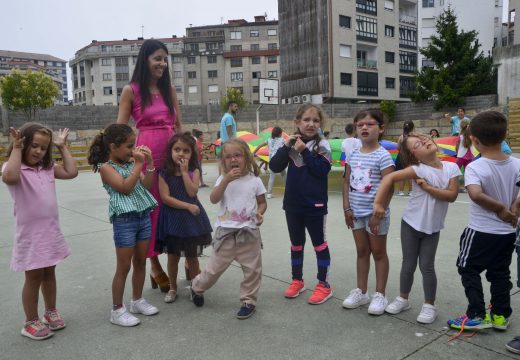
x,y
367,83
254,33
175,59
177,74
389,5
406,86
134,59
236,62
256,89
212,88
255,60
235,35
272,74
192,60
122,77
107,90
212,74
345,50
237,76
271,32
366,28
389,57
106,61
239,88
212,46
193,47
255,47
390,83
256,74
212,59
346,79
344,21
428,3
178,89
192,74
272,46
272,59
121,61
236,48
107,76
192,89
367,6
407,61
389,31
408,37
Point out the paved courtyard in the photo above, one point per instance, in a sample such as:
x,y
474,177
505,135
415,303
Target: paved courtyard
x,y
280,329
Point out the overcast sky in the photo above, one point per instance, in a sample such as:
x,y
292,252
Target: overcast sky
x,y
61,28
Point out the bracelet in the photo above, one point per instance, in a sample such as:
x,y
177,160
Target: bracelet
x,y
150,170
346,210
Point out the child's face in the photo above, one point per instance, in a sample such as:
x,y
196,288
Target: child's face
x,y
309,123
368,130
181,151
123,153
37,149
421,147
233,157
158,63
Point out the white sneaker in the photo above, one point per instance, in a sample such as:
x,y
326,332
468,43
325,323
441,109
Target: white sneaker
x,y
355,299
141,306
400,193
378,304
269,196
398,305
122,317
428,314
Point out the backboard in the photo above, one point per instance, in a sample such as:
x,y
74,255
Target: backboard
x,y
268,91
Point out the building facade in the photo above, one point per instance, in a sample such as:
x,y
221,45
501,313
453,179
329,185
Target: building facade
x,y
54,67
336,50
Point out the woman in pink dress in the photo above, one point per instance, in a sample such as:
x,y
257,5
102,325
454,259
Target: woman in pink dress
x,y
152,102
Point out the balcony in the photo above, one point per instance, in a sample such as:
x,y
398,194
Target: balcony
x,y
408,19
367,91
367,64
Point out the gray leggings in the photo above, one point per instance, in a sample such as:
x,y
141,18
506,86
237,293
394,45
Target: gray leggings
x,y
418,245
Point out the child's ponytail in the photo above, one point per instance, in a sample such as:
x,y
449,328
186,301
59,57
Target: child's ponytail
x,y
99,150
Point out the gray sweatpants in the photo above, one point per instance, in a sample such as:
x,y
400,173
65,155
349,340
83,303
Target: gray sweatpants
x,y
417,245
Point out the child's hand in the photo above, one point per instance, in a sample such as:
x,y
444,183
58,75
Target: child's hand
x,y
184,165
299,145
259,219
16,138
138,155
61,140
291,140
373,224
349,218
508,216
194,210
147,154
379,211
233,174
422,183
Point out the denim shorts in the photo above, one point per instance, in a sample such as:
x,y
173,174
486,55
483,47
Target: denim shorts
x,y
131,227
362,223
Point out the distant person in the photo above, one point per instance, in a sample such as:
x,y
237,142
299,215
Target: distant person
x,y
488,242
199,138
274,143
326,135
39,245
408,127
463,147
351,142
126,177
455,120
228,125
434,134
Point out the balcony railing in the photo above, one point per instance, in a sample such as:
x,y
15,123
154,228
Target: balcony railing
x,y
408,19
367,64
367,91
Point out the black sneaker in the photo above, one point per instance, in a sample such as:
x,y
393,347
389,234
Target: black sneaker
x,y
245,311
197,299
514,345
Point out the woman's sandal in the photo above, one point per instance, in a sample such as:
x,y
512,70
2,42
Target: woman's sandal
x,y
161,281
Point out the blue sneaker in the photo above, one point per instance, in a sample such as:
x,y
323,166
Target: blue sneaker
x,y
245,311
465,323
197,299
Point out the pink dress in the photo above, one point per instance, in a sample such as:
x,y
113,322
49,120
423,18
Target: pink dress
x,y
156,127
39,242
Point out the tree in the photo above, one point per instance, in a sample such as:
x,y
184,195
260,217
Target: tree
x,y
460,68
234,95
28,91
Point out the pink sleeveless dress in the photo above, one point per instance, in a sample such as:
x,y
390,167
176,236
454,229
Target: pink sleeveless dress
x,y
156,127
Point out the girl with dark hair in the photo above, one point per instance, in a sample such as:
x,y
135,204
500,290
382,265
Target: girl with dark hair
x,y
29,174
183,228
151,101
408,127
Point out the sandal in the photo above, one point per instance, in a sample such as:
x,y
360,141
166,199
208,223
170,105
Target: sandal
x,y
170,297
161,281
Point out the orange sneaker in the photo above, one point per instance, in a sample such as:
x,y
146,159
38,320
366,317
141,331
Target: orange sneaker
x,y
295,288
320,294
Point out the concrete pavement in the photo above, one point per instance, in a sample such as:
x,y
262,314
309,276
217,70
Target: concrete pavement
x,y
280,329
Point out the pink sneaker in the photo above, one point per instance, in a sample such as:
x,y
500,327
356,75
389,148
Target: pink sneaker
x,y
295,288
36,330
320,294
53,319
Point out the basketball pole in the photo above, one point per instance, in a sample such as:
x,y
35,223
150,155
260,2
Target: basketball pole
x,y
258,119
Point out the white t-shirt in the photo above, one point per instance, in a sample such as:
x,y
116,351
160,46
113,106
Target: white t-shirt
x,y
238,205
350,144
497,180
424,212
274,145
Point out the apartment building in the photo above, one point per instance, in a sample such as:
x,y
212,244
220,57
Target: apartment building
x,y
54,67
512,25
101,69
485,17
236,54
347,50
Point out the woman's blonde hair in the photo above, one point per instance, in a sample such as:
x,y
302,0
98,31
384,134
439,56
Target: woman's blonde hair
x,y
251,165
